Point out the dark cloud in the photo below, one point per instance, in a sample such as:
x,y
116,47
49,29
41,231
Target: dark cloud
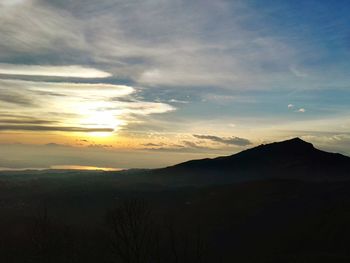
x,y
192,144
52,144
175,149
153,144
26,121
96,145
8,118
48,93
15,98
51,128
225,140
183,146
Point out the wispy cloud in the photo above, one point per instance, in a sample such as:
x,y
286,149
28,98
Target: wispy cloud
x,y
195,45
225,140
182,146
51,128
297,72
24,121
177,101
90,106
292,107
56,71
180,51
151,144
15,97
189,145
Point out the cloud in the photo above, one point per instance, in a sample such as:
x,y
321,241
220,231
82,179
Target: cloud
x,y
53,144
143,107
191,144
195,45
180,51
11,2
151,144
225,140
98,145
25,121
70,71
184,147
298,73
188,146
86,105
292,106
15,97
178,101
301,110
58,89
51,128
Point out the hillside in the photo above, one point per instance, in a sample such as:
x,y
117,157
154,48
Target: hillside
x,y
291,159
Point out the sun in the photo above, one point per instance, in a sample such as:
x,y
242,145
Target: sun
x,y
102,120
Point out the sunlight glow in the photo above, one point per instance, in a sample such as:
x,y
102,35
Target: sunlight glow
x,y
103,120
83,167
93,117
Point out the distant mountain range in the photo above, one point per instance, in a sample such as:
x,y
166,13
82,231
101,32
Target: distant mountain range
x,y
291,159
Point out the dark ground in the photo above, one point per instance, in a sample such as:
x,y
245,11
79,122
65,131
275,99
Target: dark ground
x,y
63,217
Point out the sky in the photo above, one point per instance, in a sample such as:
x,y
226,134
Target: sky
x,y
150,83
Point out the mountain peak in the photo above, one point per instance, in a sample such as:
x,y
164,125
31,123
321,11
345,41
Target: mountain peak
x,y
288,146
297,140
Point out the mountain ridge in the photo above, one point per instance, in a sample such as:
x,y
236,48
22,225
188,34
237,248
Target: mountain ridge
x,y
289,159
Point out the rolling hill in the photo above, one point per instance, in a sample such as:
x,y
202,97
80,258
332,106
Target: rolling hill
x,y
291,159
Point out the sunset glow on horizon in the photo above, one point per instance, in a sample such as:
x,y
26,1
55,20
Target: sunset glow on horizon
x,y
149,83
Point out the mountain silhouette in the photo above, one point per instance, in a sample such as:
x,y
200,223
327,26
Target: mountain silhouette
x,y
290,159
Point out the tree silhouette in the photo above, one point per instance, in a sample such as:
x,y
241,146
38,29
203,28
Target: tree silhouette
x,y
133,235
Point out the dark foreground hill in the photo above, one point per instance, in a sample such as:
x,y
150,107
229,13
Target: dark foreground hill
x,y
291,159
